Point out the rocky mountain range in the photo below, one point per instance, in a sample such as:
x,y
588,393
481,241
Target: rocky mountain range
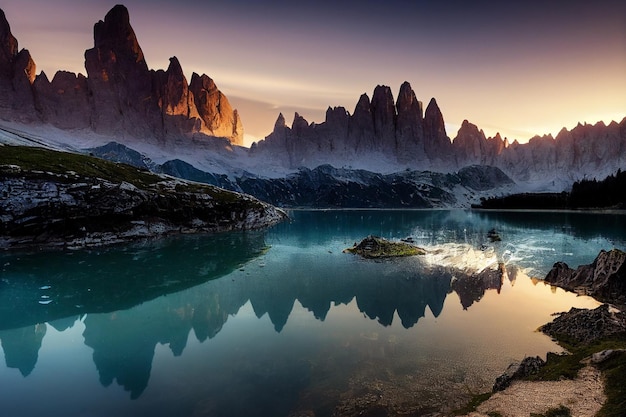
x,y
402,133
189,129
119,96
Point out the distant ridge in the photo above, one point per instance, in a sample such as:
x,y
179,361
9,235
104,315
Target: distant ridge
x,y
403,134
119,96
166,117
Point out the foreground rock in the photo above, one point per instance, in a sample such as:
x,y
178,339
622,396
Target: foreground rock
x,y
76,200
604,279
377,247
585,326
518,370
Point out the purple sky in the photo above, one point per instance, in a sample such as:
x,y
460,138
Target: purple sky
x,y
521,69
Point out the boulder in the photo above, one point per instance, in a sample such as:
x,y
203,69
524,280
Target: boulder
x,y
603,356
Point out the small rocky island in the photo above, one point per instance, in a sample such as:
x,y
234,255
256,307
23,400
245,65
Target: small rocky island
x,y
374,247
61,199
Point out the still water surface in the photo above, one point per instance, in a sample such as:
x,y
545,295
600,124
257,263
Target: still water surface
x,y
281,322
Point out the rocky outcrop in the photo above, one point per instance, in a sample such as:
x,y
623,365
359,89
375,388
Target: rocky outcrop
x,y
120,95
604,279
518,370
214,109
83,201
586,326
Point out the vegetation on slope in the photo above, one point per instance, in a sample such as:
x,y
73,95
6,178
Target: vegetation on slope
x,y
51,197
586,194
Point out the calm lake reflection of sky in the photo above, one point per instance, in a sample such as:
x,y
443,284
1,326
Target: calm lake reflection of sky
x,y
281,321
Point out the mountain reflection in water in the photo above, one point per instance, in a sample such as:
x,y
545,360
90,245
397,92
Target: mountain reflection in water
x,y
130,300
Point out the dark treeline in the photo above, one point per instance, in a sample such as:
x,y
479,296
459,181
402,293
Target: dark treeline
x,y
607,193
610,192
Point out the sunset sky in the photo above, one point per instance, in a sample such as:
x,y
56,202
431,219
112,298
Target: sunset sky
x,y
522,69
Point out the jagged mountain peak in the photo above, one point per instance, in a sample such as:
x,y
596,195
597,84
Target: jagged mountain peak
x,y
8,46
299,123
120,95
280,122
116,47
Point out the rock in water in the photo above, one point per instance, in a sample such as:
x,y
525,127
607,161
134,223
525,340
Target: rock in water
x,y
373,247
604,279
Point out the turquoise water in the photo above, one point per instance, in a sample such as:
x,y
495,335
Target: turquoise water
x,y
281,322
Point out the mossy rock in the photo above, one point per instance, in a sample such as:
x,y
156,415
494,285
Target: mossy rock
x,y
373,247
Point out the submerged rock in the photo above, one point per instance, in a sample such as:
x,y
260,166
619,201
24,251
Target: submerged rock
x,y
377,247
494,236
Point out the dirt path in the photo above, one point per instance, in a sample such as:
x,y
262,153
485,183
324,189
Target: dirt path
x,y
584,396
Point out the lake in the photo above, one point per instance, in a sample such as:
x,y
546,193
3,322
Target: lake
x,y
281,322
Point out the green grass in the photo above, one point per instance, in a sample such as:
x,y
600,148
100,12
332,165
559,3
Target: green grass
x,y
614,370
567,365
38,159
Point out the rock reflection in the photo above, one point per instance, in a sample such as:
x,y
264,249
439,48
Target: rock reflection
x,y
121,292
21,347
124,341
42,287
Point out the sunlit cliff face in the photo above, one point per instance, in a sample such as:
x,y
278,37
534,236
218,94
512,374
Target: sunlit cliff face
x,y
520,71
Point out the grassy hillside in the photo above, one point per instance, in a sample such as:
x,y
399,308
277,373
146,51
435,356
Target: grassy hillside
x,y
54,198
